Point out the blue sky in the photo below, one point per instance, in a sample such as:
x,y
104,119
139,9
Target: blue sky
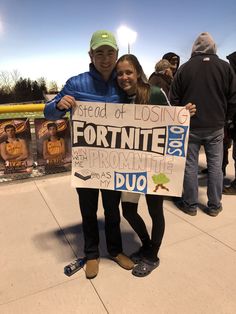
x,y
51,38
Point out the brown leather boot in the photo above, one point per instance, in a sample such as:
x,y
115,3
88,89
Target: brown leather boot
x,y
124,261
230,190
91,269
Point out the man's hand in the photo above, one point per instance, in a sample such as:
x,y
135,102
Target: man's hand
x,y
66,103
192,108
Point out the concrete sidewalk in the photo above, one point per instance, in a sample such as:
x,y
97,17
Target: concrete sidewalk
x,y
40,232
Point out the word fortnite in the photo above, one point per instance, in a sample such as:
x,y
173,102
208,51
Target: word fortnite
x,y
151,140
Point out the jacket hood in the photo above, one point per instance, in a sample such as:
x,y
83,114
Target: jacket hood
x,y
232,60
204,44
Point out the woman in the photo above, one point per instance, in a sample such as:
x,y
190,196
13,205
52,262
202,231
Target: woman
x,y
132,80
163,76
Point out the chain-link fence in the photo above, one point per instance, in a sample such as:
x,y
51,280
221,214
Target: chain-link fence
x,y
35,170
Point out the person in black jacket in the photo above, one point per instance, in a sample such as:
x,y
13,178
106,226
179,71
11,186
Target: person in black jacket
x,y
210,83
174,60
231,190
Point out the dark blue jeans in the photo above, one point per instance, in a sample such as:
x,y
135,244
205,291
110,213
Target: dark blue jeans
x,y
212,140
234,158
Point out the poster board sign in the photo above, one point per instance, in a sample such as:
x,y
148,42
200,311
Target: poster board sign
x,y
129,147
53,144
15,146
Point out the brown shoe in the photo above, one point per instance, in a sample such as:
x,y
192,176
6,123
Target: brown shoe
x,y
230,190
124,261
91,270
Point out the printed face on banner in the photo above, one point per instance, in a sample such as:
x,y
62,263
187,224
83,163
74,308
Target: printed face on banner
x,y
53,143
129,147
15,146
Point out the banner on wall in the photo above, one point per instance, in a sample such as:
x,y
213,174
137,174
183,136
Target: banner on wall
x,y
53,144
15,146
129,147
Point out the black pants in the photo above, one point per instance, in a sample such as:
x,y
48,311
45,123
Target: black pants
x,y
88,200
229,139
151,244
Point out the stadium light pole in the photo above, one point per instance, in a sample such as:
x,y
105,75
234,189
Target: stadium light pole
x,y
126,36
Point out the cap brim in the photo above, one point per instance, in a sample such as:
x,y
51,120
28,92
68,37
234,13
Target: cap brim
x,y
104,44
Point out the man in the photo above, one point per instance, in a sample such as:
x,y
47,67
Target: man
x,y
174,60
14,150
54,146
210,83
231,190
99,84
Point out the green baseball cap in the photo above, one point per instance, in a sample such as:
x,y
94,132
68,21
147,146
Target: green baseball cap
x,y
102,38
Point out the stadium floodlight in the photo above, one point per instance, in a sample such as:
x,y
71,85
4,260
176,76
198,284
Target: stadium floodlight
x,y
126,36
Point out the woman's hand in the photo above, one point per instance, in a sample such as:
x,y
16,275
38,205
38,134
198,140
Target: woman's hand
x,y
192,108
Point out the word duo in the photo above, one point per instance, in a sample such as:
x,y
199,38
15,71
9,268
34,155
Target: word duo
x,y
135,182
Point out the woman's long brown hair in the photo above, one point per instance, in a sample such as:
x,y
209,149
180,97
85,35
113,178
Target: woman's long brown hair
x,y
143,87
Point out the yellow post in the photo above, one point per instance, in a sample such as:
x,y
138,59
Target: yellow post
x,y
22,108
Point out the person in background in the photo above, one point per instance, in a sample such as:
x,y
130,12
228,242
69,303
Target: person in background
x,y
229,135
231,190
174,60
132,80
210,83
163,76
14,150
98,84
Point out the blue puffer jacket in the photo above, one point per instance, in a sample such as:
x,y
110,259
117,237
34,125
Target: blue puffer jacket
x,y
88,86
